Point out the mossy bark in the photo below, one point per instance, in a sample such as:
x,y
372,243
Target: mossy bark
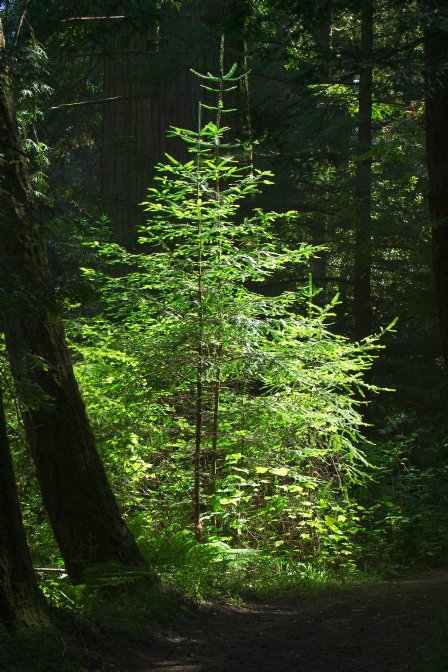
x,y
81,506
22,606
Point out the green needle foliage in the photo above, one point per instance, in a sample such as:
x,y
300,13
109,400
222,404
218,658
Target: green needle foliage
x,y
239,411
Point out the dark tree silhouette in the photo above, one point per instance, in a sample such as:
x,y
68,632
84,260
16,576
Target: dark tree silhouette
x,y
83,511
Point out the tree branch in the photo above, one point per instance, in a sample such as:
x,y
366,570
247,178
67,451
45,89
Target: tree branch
x,y
20,23
96,101
92,18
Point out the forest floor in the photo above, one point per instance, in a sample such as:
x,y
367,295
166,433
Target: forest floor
x,y
377,627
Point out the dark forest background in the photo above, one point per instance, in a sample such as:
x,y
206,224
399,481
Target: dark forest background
x,y
286,424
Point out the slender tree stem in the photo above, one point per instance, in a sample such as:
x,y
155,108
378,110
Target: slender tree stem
x,y
363,178
215,427
200,347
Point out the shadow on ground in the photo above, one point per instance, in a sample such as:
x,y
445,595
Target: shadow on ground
x,y
376,628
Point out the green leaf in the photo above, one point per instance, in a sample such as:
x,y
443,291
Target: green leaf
x,y
280,471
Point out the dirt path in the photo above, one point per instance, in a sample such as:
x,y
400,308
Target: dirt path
x,y
375,628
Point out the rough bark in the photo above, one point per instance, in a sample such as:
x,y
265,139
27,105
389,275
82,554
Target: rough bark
x,y
149,67
436,118
363,178
159,91
22,606
83,512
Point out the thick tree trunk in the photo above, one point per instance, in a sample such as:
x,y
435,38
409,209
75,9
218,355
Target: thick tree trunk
x,y
150,69
83,512
436,105
22,606
363,178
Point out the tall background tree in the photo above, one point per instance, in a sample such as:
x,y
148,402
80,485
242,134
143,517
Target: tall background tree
x,y
147,79
363,179
435,19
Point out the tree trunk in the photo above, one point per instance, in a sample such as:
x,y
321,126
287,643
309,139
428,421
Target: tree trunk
x,y
83,512
22,606
158,91
320,229
363,178
149,69
436,106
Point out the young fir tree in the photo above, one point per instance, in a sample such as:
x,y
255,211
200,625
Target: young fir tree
x,y
257,393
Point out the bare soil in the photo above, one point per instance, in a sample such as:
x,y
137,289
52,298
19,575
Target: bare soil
x,y
374,628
